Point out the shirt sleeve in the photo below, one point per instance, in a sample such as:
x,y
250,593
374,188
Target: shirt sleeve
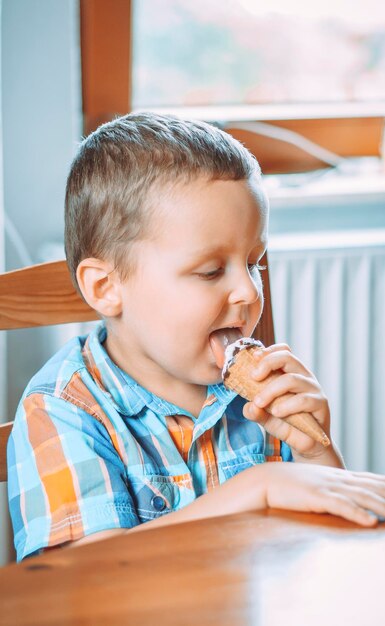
x,y
286,453
65,478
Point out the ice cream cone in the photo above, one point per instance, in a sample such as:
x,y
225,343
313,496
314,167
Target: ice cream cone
x,y
236,376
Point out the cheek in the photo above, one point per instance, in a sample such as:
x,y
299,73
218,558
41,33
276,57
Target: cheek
x,y
176,308
191,315
205,302
170,309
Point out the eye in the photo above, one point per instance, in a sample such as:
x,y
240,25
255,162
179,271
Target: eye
x,y
212,274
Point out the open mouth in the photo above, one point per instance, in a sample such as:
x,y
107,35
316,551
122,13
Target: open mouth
x,y
220,339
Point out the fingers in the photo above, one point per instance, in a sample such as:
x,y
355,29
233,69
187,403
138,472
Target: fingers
x,y
255,414
296,403
279,357
356,496
289,388
371,482
279,428
289,395
277,347
368,500
361,501
346,507
305,394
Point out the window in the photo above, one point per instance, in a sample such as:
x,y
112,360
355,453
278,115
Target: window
x,y
258,52
315,68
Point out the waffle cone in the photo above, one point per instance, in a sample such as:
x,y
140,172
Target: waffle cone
x,y
238,379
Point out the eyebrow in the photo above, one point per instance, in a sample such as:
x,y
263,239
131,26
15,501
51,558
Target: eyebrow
x,y
202,255
206,253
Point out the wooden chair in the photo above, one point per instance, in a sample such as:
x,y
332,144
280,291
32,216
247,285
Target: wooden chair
x,y
42,295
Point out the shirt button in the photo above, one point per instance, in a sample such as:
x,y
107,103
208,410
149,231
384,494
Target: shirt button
x,y
158,503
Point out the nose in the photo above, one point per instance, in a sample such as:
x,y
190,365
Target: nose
x,y
246,289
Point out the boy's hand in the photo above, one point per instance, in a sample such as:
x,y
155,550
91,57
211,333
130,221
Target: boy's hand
x,y
307,397
357,496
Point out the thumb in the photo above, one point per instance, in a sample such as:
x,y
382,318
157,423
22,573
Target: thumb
x,y
255,413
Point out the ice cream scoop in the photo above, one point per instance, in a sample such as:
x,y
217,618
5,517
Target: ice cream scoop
x,y
240,359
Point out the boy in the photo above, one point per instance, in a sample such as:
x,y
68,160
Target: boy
x,y
166,222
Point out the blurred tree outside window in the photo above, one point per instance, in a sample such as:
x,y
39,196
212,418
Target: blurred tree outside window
x,y
229,52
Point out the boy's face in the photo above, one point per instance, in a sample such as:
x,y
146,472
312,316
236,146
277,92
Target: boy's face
x,y
196,273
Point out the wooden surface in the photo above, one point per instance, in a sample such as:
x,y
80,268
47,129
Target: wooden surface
x,y
265,329
40,295
264,569
106,49
347,137
5,430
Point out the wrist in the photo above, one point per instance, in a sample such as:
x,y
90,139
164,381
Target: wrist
x,y
266,483
330,456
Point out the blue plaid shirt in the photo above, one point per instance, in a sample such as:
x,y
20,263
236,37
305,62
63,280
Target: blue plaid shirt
x,y
92,450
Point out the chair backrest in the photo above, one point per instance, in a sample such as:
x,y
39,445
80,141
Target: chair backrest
x,y
42,295
5,431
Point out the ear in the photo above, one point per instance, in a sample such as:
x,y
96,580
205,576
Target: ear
x,y
100,286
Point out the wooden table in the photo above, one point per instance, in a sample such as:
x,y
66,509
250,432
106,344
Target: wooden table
x,y
263,569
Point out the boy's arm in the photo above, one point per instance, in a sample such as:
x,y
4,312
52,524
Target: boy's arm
x,y
65,478
357,497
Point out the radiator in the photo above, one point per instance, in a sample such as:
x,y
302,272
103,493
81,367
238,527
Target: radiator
x,y
328,295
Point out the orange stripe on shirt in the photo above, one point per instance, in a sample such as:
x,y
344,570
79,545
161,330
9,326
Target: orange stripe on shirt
x,y
51,464
209,401
209,458
77,393
180,428
273,444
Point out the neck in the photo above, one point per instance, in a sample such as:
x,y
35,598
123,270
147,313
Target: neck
x,y
187,396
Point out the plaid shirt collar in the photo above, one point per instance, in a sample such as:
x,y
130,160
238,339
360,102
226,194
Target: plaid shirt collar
x,y
130,398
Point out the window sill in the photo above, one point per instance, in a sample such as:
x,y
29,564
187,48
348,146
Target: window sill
x,y
351,197
271,112
356,179
328,240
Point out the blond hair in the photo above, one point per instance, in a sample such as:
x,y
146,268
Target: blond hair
x,y
121,162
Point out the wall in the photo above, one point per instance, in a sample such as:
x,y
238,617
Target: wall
x,y
3,495
41,111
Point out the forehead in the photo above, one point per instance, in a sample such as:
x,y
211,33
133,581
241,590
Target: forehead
x,y
215,208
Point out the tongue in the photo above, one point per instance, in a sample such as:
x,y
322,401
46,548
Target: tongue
x,y
219,340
